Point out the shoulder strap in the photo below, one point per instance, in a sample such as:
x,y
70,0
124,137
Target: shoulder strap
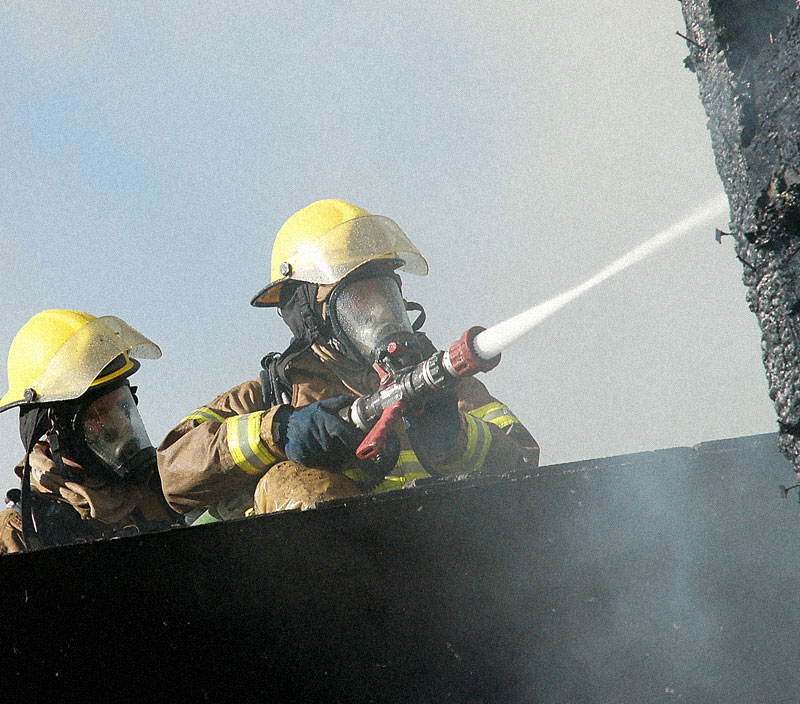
x,y
270,391
298,310
276,387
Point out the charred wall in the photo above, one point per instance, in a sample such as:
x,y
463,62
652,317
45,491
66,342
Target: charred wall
x,y
747,59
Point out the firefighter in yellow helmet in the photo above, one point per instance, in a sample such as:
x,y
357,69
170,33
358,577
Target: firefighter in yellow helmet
x,y
279,442
89,470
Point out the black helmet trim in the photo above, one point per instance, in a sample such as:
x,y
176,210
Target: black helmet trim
x,y
33,422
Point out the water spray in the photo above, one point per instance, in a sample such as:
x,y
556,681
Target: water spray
x,y
498,337
478,349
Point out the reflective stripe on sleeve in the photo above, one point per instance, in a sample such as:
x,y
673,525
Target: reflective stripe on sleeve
x,y
495,413
392,483
406,469
408,465
204,415
249,452
479,440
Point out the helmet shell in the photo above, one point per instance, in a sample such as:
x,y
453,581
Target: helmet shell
x,y
59,354
327,240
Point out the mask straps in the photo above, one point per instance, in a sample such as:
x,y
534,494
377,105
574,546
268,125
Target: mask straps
x,y
420,319
55,446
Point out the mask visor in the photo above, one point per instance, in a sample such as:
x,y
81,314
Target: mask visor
x,y
114,431
371,311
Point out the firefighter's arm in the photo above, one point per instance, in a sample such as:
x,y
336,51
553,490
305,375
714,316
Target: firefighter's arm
x,y
219,450
488,436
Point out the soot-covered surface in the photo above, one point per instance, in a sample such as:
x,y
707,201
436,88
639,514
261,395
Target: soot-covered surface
x,y
642,578
747,58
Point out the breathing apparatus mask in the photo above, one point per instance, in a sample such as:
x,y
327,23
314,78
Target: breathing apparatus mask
x,y
366,318
370,322
103,432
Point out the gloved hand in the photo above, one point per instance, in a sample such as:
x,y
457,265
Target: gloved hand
x,y
315,436
45,472
434,431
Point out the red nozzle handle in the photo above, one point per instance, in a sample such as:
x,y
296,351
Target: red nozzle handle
x,y
463,358
376,438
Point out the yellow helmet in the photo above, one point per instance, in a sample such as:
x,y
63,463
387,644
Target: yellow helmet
x,y
325,241
58,354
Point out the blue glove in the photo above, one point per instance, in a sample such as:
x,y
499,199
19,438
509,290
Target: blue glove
x,y
315,436
434,431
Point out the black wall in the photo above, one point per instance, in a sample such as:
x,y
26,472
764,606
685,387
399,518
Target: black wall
x,y
652,577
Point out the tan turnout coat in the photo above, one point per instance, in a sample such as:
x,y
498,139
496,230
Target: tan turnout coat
x,y
216,456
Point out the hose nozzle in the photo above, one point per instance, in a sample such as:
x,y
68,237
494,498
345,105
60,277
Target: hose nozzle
x,y
463,360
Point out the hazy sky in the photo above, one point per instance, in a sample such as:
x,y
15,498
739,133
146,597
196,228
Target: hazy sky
x,y
150,151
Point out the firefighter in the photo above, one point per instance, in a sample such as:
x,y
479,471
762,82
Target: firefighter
x,y
89,470
279,442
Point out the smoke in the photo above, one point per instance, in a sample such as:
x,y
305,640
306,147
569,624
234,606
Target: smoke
x,y
497,338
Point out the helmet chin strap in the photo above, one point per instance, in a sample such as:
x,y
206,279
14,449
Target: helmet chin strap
x,y
54,441
55,451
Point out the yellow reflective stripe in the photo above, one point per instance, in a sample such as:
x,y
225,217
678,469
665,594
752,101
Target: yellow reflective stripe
x,y
391,483
356,475
472,439
204,415
406,469
487,443
407,457
244,441
483,410
479,440
502,421
496,413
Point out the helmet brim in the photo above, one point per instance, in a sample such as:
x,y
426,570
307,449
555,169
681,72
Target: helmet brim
x,y
270,295
328,257
80,362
